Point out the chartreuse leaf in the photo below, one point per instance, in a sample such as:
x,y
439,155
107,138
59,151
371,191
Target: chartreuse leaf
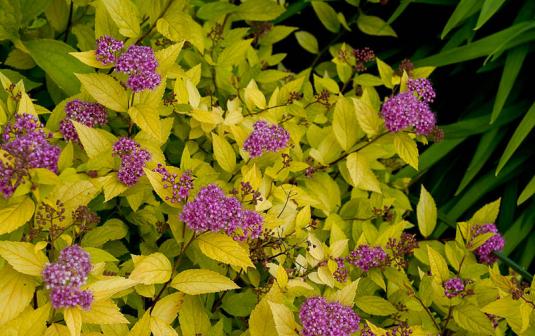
x,y
213,10
155,179
96,142
327,15
259,10
106,90
125,15
426,212
201,281
31,322
470,318
166,309
154,268
224,153
15,213
142,326
167,57
11,17
367,117
179,26
49,54
361,174
106,288
89,58
284,319
521,132
346,295
234,53
345,125
23,257
147,118
307,41
374,25
261,319
487,214
15,288
103,312
528,191
406,149
193,318
375,305
112,186
224,249
438,266
73,319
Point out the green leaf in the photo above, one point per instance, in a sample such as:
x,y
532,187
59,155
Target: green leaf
x,y
513,63
307,41
464,9
375,305
521,132
224,249
15,213
224,153
201,281
258,10
528,191
374,25
327,15
234,54
490,7
10,19
361,174
125,15
106,90
240,304
426,211
148,119
48,54
213,10
406,149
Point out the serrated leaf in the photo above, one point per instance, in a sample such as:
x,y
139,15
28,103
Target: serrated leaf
x,y
17,289
406,149
327,15
23,257
374,25
142,326
375,305
426,212
470,318
73,320
103,312
487,214
346,295
361,174
96,142
106,288
193,318
166,309
224,249
147,118
15,213
106,90
125,15
167,57
179,26
284,319
345,125
152,269
437,263
201,281
165,193
234,54
367,117
224,153
261,320
307,41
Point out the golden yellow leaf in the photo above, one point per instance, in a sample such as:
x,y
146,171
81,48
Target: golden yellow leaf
x,y
152,269
23,257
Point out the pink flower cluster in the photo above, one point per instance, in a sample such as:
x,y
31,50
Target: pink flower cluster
x,y
211,210
65,277
265,138
138,62
367,257
320,317
133,159
180,186
362,57
411,108
453,287
485,252
26,145
86,113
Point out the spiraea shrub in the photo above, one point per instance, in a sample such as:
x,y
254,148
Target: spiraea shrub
x,y
173,177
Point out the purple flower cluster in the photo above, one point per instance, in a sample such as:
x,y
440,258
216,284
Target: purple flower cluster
x,y
341,272
367,257
180,186
485,252
411,108
453,287
320,317
108,49
133,159
26,146
65,277
140,64
265,138
89,114
211,210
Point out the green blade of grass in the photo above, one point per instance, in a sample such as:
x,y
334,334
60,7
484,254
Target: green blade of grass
x,y
528,191
464,10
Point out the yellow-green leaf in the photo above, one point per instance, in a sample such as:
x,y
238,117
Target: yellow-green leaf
x,y
374,25
147,118
106,288
426,212
125,15
178,26
224,153
346,295
470,318
152,269
487,214
166,309
89,58
160,328
142,326
193,319
261,320
385,72
16,291
367,117
345,125
95,141
437,263
224,249
406,149
307,41
103,312
155,180
24,257
15,213
201,281
259,10
234,54
106,90
73,320
361,174
375,305
167,57
284,319
327,15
